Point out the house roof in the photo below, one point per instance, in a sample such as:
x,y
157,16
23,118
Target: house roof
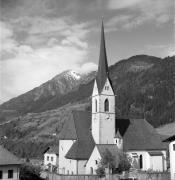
x,y
7,158
112,148
84,145
102,73
52,149
155,153
171,138
138,134
69,131
118,135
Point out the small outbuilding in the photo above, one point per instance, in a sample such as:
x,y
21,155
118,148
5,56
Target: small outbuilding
x,y
9,165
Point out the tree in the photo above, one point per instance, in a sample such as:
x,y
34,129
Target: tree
x,y
120,162
107,161
30,172
124,163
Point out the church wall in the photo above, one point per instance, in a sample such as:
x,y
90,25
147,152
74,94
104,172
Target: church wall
x,y
156,163
66,165
81,166
109,90
95,127
165,159
148,161
107,125
103,122
146,158
95,89
93,161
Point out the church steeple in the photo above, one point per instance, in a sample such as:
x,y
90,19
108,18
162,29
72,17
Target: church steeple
x,y
103,101
102,73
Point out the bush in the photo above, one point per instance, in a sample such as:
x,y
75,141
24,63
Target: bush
x,y
109,161
124,163
100,171
30,172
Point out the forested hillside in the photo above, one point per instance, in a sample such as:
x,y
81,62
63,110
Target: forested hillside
x,y
144,87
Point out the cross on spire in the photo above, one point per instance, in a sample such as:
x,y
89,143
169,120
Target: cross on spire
x,y
102,73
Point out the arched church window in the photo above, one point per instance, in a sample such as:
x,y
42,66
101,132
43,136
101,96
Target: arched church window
x,y
106,104
95,105
91,169
141,161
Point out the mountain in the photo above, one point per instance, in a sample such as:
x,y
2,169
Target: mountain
x,y
33,100
144,87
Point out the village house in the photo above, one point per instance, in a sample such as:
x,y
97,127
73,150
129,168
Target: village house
x,y
9,165
86,135
51,157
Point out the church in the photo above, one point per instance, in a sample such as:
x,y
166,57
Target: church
x,y
87,135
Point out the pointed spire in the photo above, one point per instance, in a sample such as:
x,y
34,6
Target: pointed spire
x,y
102,73
118,135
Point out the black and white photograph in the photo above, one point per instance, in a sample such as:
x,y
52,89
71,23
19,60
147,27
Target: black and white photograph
x,y
87,89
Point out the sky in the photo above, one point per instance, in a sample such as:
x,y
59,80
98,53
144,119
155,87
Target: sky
x,y
41,38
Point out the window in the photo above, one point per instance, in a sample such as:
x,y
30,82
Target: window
x,y
47,158
95,105
0,174
141,161
174,147
96,162
10,174
106,104
116,140
91,170
106,87
51,158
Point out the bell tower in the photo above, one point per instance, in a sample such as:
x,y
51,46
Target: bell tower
x,y
103,100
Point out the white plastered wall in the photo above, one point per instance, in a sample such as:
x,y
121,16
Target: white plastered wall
x,y
148,160
50,161
5,169
66,165
81,166
91,163
145,156
103,123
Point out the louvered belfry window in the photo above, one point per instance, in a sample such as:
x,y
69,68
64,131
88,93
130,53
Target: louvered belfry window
x,y
95,105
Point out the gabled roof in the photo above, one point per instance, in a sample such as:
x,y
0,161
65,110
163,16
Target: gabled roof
x,y
118,135
84,145
53,149
7,158
102,73
112,148
172,138
69,131
138,134
81,149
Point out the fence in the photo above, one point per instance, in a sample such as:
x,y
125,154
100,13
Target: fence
x,y
129,176
52,176
146,176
